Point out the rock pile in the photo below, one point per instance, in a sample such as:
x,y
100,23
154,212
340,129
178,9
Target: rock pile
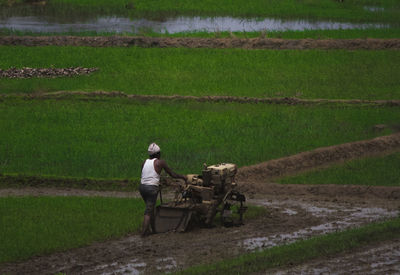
x,y
27,72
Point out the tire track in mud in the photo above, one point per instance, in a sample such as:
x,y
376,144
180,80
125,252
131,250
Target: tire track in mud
x,y
189,42
228,99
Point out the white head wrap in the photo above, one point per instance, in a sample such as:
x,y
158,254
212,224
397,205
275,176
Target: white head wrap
x,y
153,149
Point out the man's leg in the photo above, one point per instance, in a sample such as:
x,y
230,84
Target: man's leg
x,y
145,226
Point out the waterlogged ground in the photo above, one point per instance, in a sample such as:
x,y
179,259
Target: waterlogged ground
x,y
172,24
290,218
378,259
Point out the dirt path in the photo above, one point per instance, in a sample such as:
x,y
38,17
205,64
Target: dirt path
x,y
62,192
256,175
235,99
383,258
188,42
288,219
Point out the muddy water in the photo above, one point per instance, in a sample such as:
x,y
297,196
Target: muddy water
x,y
332,217
384,259
345,218
170,25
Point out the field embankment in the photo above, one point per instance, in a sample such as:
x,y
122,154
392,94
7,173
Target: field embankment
x,y
96,95
195,42
368,171
319,158
385,33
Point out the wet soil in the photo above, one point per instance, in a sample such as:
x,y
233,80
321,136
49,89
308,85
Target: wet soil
x,y
289,218
27,72
294,212
234,99
382,258
188,42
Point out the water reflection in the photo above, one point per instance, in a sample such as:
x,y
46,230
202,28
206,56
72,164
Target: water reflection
x,y
173,25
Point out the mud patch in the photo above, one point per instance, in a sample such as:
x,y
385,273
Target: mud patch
x,y
306,217
382,258
189,42
27,72
346,217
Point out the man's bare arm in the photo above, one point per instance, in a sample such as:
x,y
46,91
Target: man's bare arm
x,y
163,165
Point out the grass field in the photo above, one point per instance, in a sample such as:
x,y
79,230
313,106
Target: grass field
x,y
31,226
368,171
353,10
41,225
334,74
302,251
108,138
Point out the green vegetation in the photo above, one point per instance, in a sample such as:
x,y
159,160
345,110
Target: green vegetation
x,y
108,137
352,10
32,226
301,251
368,171
315,34
335,74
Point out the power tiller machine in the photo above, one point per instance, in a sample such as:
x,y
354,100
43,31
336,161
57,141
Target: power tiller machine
x,y
201,199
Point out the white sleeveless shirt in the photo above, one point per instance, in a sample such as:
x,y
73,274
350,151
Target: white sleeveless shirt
x,y
149,174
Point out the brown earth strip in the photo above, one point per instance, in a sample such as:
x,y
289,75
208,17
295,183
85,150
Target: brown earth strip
x,y
63,192
27,72
23,181
233,99
257,177
189,42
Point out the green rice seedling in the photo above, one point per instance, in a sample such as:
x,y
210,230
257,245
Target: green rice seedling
x,y
108,138
336,74
368,171
42,225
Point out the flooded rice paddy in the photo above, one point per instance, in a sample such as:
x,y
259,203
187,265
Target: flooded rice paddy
x,y
171,25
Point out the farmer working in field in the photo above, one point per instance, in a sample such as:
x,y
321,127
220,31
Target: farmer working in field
x,y
149,187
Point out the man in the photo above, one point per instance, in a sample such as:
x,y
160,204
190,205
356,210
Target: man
x,y
149,187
